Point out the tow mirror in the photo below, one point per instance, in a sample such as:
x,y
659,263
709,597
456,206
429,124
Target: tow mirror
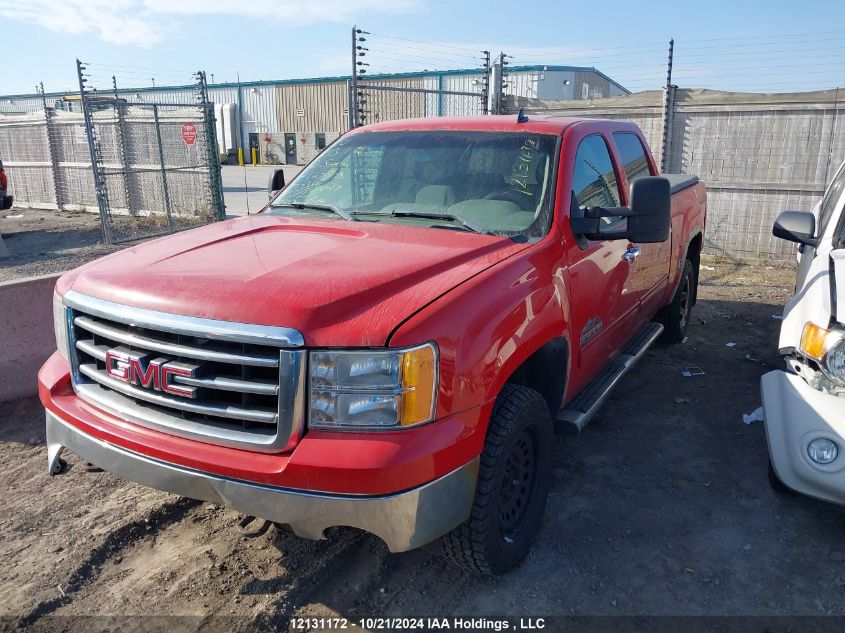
x,y
651,205
277,182
648,215
796,226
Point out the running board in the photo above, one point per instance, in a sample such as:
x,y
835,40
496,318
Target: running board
x,y
586,404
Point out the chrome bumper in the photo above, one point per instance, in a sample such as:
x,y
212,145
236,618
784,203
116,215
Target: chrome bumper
x,y
404,521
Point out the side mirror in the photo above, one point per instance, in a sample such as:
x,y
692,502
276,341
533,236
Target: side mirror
x,y
651,210
648,215
277,182
796,226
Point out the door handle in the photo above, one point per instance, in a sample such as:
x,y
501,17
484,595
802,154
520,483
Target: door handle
x,y
631,254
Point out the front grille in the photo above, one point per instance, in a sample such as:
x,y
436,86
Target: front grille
x,y
245,381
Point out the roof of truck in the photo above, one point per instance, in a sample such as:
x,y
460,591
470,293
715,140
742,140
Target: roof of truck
x,y
538,123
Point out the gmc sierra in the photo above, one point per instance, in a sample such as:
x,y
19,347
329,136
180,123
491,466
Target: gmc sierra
x,y
392,342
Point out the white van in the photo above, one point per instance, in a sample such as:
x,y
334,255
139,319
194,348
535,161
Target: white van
x,y
804,403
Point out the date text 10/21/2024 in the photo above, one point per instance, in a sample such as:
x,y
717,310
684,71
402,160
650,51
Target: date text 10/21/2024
x,y
419,624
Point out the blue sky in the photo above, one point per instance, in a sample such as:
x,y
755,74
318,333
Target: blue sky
x,y
754,46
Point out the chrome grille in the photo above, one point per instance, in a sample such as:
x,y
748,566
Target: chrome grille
x,y
245,384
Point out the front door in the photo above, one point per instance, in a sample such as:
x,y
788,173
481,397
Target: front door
x,y
290,149
649,268
602,305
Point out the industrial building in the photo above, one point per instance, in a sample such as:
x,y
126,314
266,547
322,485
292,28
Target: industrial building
x,y
289,121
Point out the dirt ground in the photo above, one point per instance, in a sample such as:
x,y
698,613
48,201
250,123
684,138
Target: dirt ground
x,y
42,242
661,507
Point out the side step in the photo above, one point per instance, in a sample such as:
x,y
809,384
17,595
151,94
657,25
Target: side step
x,y
586,404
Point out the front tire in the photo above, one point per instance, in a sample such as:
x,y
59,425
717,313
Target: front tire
x,y
675,316
513,485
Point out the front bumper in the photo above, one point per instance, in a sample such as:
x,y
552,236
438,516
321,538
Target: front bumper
x,y
795,415
404,521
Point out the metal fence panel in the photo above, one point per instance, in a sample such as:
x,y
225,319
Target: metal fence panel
x,y
25,151
157,168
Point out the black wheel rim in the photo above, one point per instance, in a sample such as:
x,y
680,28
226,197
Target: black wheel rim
x,y
517,483
685,301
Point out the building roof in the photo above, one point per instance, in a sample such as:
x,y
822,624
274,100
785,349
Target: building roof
x,y
310,80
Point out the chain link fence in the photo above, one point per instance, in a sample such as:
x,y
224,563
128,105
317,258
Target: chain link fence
x,y
147,168
156,168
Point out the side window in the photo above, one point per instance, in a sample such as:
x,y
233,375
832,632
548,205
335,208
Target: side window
x,y
831,198
594,181
632,154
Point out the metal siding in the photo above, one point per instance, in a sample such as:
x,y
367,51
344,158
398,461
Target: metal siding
x,y
522,83
23,104
454,105
383,105
433,103
259,105
323,106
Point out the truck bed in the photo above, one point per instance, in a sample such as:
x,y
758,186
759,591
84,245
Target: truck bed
x,y
679,182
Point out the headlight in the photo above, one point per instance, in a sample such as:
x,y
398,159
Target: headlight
x,y
373,389
60,325
827,347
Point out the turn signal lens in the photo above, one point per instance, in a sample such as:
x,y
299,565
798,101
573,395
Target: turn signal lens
x,y
814,341
419,374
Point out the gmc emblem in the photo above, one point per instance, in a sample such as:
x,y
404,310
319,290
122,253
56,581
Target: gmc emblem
x,y
151,373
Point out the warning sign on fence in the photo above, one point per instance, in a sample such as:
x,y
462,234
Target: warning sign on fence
x,y
189,133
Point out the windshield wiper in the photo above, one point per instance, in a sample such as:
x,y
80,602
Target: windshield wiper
x,y
319,207
449,217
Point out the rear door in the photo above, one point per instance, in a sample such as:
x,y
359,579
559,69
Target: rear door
x,y
603,308
649,271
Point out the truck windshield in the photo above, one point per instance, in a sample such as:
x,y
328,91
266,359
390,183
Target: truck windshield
x,y
495,183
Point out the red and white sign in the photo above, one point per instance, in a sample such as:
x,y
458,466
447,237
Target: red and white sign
x,y
189,133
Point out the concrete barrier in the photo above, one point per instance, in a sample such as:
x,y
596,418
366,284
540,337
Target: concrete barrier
x,y
26,333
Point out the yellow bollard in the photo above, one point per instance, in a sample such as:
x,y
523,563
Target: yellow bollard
x,y
241,156
254,157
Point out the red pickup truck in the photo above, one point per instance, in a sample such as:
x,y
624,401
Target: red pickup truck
x,y
391,344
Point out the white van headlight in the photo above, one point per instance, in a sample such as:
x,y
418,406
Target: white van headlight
x,y
373,389
827,347
834,361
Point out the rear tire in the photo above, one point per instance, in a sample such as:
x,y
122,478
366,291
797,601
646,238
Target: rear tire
x,y
513,485
675,316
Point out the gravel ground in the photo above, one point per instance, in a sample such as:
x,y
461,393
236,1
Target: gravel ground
x,y
42,242
661,507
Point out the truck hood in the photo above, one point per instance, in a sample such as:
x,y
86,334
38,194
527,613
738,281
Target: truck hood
x,y
338,283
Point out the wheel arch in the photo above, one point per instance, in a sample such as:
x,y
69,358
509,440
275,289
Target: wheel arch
x,y
545,370
693,253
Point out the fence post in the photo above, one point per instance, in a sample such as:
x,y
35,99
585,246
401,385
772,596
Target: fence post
x,y
51,148
120,125
215,180
827,169
99,182
164,186
668,111
353,112
496,91
485,83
